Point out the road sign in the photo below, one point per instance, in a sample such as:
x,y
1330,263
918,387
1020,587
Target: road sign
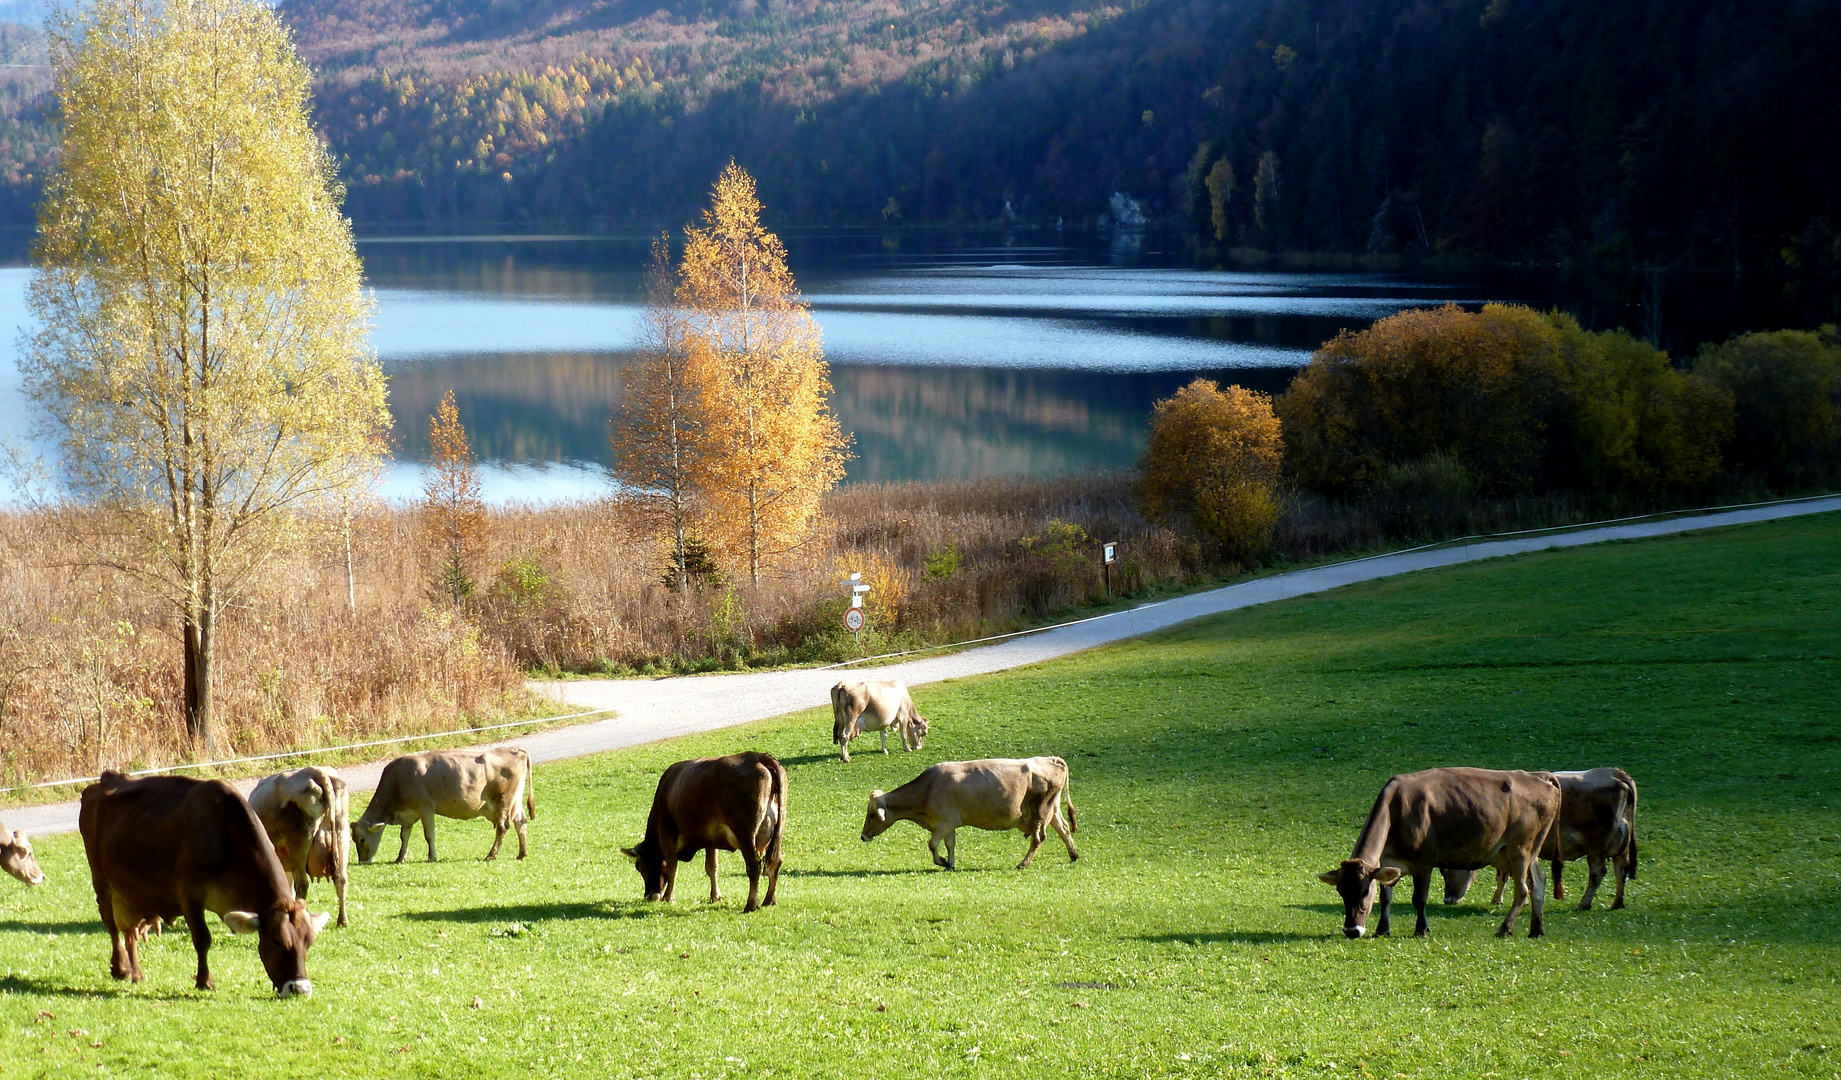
x,y
853,619
1112,552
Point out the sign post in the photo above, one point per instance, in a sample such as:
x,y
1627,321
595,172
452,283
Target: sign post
x,y
1109,554
853,618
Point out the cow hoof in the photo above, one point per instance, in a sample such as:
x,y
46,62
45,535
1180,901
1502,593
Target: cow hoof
x,y
1617,905
1074,857
1585,905
1421,933
1503,931
207,984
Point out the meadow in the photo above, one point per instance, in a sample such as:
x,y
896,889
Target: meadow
x,y
1217,768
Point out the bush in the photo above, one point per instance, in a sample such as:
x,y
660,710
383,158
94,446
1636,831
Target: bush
x,y
1215,456
1786,391
1480,388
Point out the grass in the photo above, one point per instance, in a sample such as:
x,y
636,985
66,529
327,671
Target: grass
x,y
1216,768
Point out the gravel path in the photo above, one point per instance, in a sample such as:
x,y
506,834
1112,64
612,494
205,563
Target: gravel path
x,y
647,710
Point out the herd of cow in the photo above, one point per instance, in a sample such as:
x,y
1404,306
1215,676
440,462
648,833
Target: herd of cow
x,y
167,847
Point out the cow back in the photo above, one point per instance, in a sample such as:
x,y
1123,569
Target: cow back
x,y
160,840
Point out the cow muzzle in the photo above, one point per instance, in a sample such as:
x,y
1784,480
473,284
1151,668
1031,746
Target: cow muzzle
x,y
295,988
1353,932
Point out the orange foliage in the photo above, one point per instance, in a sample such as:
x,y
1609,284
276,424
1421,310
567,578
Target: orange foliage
x,y
1215,455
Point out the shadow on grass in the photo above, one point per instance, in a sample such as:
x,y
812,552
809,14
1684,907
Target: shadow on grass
x,y
878,873
529,913
1233,937
20,984
81,926
809,759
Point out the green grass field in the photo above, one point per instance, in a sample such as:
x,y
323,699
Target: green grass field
x,y
1216,769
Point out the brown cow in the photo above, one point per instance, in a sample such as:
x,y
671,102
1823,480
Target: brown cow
x,y
16,857
460,784
733,803
998,794
307,813
167,846
876,705
1467,818
1597,823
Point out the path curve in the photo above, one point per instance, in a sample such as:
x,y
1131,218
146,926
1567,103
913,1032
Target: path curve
x,y
647,710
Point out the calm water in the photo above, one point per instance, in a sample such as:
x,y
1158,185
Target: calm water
x,y
949,358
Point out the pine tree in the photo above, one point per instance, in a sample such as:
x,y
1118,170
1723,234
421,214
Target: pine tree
x,y
456,515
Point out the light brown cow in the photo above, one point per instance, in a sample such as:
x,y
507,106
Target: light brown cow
x,y
1469,818
876,705
460,784
998,794
1597,823
307,813
16,857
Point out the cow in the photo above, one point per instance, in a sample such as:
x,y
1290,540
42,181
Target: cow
x,y
167,846
733,803
16,857
1468,818
460,784
1597,823
307,813
876,705
998,794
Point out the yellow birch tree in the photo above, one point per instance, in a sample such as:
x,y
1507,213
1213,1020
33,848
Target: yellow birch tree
x,y
658,436
203,357
774,447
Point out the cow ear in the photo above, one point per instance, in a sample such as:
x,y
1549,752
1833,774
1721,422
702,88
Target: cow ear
x,y
319,921
631,853
1331,878
1388,875
242,922
881,814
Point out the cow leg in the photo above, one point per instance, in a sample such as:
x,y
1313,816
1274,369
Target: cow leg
x,y
499,826
300,883
1501,880
338,884
1035,841
524,835
118,957
1386,904
1622,861
1596,866
1537,922
1559,889
843,746
885,741
1527,875
201,942
428,832
709,867
1422,891
949,837
131,944
752,860
402,851
1067,834
772,861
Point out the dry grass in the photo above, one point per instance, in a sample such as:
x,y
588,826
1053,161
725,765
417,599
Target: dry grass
x,y
89,666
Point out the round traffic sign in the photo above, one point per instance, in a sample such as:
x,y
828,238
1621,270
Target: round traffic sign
x,y
854,619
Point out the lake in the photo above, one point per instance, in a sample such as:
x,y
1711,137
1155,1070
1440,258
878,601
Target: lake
x,y
951,357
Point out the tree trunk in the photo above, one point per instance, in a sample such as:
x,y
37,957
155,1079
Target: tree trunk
x,y
199,636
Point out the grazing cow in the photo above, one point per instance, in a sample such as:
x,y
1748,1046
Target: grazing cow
x,y
307,813
733,803
1597,822
16,857
1467,818
460,784
998,794
167,846
876,705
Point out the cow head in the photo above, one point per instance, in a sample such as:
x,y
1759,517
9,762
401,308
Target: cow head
x,y
1356,881
915,735
1457,883
366,838
16,858
876,822
284,933
649,859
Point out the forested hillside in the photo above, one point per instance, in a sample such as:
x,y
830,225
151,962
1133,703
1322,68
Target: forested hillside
x,y
1686,132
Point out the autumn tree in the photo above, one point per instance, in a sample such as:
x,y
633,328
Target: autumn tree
x,y
773,446
1214,455
1787,389
660,453
1221,187
455,515
202,356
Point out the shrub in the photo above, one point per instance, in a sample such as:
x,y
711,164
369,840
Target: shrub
x,y
1786,390
1215,456
1479,388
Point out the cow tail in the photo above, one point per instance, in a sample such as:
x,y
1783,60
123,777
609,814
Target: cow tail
x,y
530,788
1067,792
838,708
1629,786
778,794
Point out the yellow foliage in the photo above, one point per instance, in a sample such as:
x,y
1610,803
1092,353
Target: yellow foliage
x,y
773,446
1215,455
